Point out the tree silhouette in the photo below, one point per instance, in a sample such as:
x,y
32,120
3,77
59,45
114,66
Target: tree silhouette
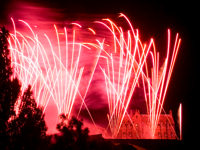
x,y
9,88
72,135
28,128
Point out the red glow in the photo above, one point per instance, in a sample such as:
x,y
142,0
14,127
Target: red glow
x,y
53,68
180,120
61,63
158,81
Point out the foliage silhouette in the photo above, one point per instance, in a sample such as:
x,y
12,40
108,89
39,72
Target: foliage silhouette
x,y
9,89
72,135
28,127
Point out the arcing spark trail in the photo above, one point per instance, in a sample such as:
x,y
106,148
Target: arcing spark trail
x,y
52,65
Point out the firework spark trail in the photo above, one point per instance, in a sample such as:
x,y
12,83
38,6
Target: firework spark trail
x,y
155,85
57,75
180,120
58,80
124,65
25,68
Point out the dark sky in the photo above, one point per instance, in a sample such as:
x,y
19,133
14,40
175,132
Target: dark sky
x,y
153,19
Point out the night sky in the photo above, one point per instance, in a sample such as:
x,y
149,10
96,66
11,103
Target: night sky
x,y
152,19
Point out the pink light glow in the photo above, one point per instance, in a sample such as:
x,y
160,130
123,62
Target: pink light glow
x,y
62,64
122,71
158,81
180,120
53,70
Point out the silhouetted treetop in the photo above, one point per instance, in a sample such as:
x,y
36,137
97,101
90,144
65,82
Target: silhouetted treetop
x,y
29,126
72,134
9,89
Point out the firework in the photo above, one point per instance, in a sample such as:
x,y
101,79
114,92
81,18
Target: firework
x,y
58,69
52,66
124,62
180,120
156,83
